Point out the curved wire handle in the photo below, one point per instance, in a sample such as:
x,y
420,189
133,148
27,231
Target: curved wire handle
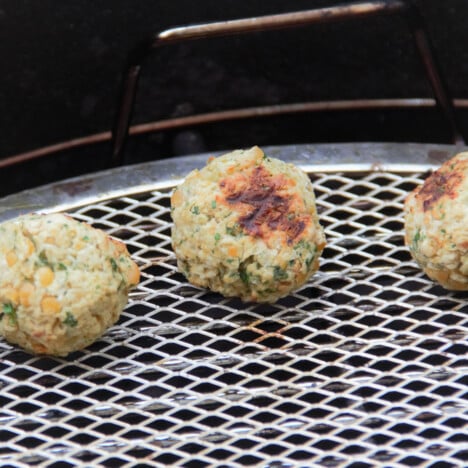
x,y
138,55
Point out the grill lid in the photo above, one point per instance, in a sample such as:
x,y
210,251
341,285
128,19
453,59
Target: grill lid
x,y
363,365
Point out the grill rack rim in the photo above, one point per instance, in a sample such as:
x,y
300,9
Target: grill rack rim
x,y
166,173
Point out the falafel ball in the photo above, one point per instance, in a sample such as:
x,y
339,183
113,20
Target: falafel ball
x,y
62,282
246,226
436,224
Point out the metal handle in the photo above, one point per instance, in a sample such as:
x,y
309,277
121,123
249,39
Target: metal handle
x,y
138,55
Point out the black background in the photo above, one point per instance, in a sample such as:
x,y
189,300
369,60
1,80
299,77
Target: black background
x,y
62,62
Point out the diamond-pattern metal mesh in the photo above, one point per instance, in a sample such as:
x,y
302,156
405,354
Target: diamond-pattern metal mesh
x,y
365,365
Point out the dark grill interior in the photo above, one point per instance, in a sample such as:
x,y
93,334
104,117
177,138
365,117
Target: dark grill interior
x,y
64,72
364,365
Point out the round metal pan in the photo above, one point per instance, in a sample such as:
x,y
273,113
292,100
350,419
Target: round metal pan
x,y
406,157
364,365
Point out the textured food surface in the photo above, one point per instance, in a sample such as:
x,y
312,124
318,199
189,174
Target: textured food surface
x,y
436,224
62,283
246,225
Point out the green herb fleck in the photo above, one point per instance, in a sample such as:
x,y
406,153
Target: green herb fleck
x,y
114,265
43,258
217,237
85,238
213,204
61,266
234,230
309,261
195,210
244,276
10,311
417,237
70,320
302,244
279,273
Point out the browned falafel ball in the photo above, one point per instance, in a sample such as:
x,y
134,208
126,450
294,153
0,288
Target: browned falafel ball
x,y
246,226
436,224
62,282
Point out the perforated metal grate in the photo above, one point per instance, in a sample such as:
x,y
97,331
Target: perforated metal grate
x,y
364,365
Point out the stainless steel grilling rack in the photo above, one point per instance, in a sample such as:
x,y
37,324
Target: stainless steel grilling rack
x,y
364,365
